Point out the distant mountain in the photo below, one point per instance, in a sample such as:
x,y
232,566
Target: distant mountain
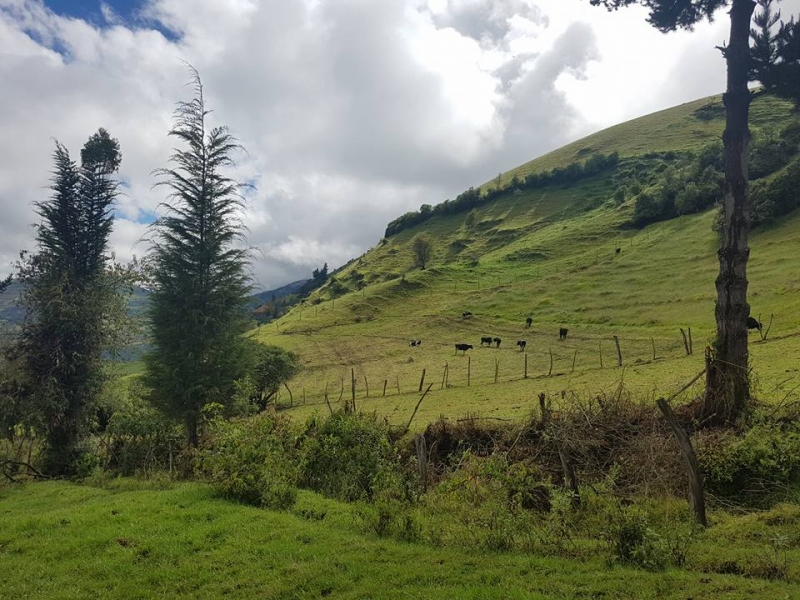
x,y
278,293
11,314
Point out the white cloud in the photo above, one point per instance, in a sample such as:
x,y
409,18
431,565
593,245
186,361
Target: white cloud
x,y
352,111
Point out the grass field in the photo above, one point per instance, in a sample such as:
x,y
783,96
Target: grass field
x,y
138,540
660,282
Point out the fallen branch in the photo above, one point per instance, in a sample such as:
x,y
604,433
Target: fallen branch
x,y
408,425
33,470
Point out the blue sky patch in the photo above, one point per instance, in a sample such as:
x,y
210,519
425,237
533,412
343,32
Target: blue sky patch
x,y
90,10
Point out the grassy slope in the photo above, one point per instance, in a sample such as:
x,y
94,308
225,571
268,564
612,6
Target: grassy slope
x,y
549,254
62,541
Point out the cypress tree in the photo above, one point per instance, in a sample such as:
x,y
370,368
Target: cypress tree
x,y
200,283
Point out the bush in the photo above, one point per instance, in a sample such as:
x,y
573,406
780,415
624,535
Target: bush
x,y
255,460
349,457
752,468
776,195
632,541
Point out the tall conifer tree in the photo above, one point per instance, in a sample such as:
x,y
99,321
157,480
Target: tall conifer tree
x,y
200,277
70,297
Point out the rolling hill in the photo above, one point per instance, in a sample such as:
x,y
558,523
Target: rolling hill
x,y
566,253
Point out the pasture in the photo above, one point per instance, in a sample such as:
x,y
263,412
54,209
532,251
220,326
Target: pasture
x,y
129,539
661,282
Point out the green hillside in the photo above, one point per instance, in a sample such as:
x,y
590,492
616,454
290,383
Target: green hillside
x,y
549,253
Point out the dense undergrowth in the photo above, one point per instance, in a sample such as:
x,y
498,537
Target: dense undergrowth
x,y
498,486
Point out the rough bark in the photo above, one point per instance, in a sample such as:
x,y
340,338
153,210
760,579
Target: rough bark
x,y
728,391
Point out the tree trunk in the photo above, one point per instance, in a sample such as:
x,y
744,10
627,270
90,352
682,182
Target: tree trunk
x,y
728,391
191,429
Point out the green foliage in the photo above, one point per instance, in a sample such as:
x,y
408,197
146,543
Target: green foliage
x,y
200,284
142,441
632,540
473,197
775,196
75,306
348,456
756,467
691,184
271,368
254,461
422,248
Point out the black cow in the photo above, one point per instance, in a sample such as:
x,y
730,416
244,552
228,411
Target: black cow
x,y
466,314
522,344
562,333
486,340
753,323
497,341
618,250
416,343
528,322
463,347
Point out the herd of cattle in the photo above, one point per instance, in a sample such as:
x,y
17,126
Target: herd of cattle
x,y
489,340
562,335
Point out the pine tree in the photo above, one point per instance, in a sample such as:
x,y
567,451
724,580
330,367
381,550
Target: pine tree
x,y
199,275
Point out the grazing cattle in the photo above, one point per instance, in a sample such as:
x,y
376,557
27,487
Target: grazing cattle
x,y
618,250
753,323
522,344
562,333
416,343
463,347
528,322
486,340
497,341
466,314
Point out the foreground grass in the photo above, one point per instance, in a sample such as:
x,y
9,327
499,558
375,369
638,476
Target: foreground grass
x,y
59,540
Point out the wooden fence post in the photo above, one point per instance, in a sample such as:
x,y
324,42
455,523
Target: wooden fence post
x,y
685,342
550,372
496,369
652,341
696,497
525,373
600,348
422,459
385,381
574,356
353,389
691,347
619,352
469,369
422,380
569,474
366,385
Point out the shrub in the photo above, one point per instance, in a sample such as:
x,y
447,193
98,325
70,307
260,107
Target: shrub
x,y
632,541
349,457
754,467
255,460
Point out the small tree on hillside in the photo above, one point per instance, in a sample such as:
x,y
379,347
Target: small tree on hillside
x,y
74,301
774,62
200,282
422,247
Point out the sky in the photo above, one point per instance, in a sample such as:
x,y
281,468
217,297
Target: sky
x,y
351,112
